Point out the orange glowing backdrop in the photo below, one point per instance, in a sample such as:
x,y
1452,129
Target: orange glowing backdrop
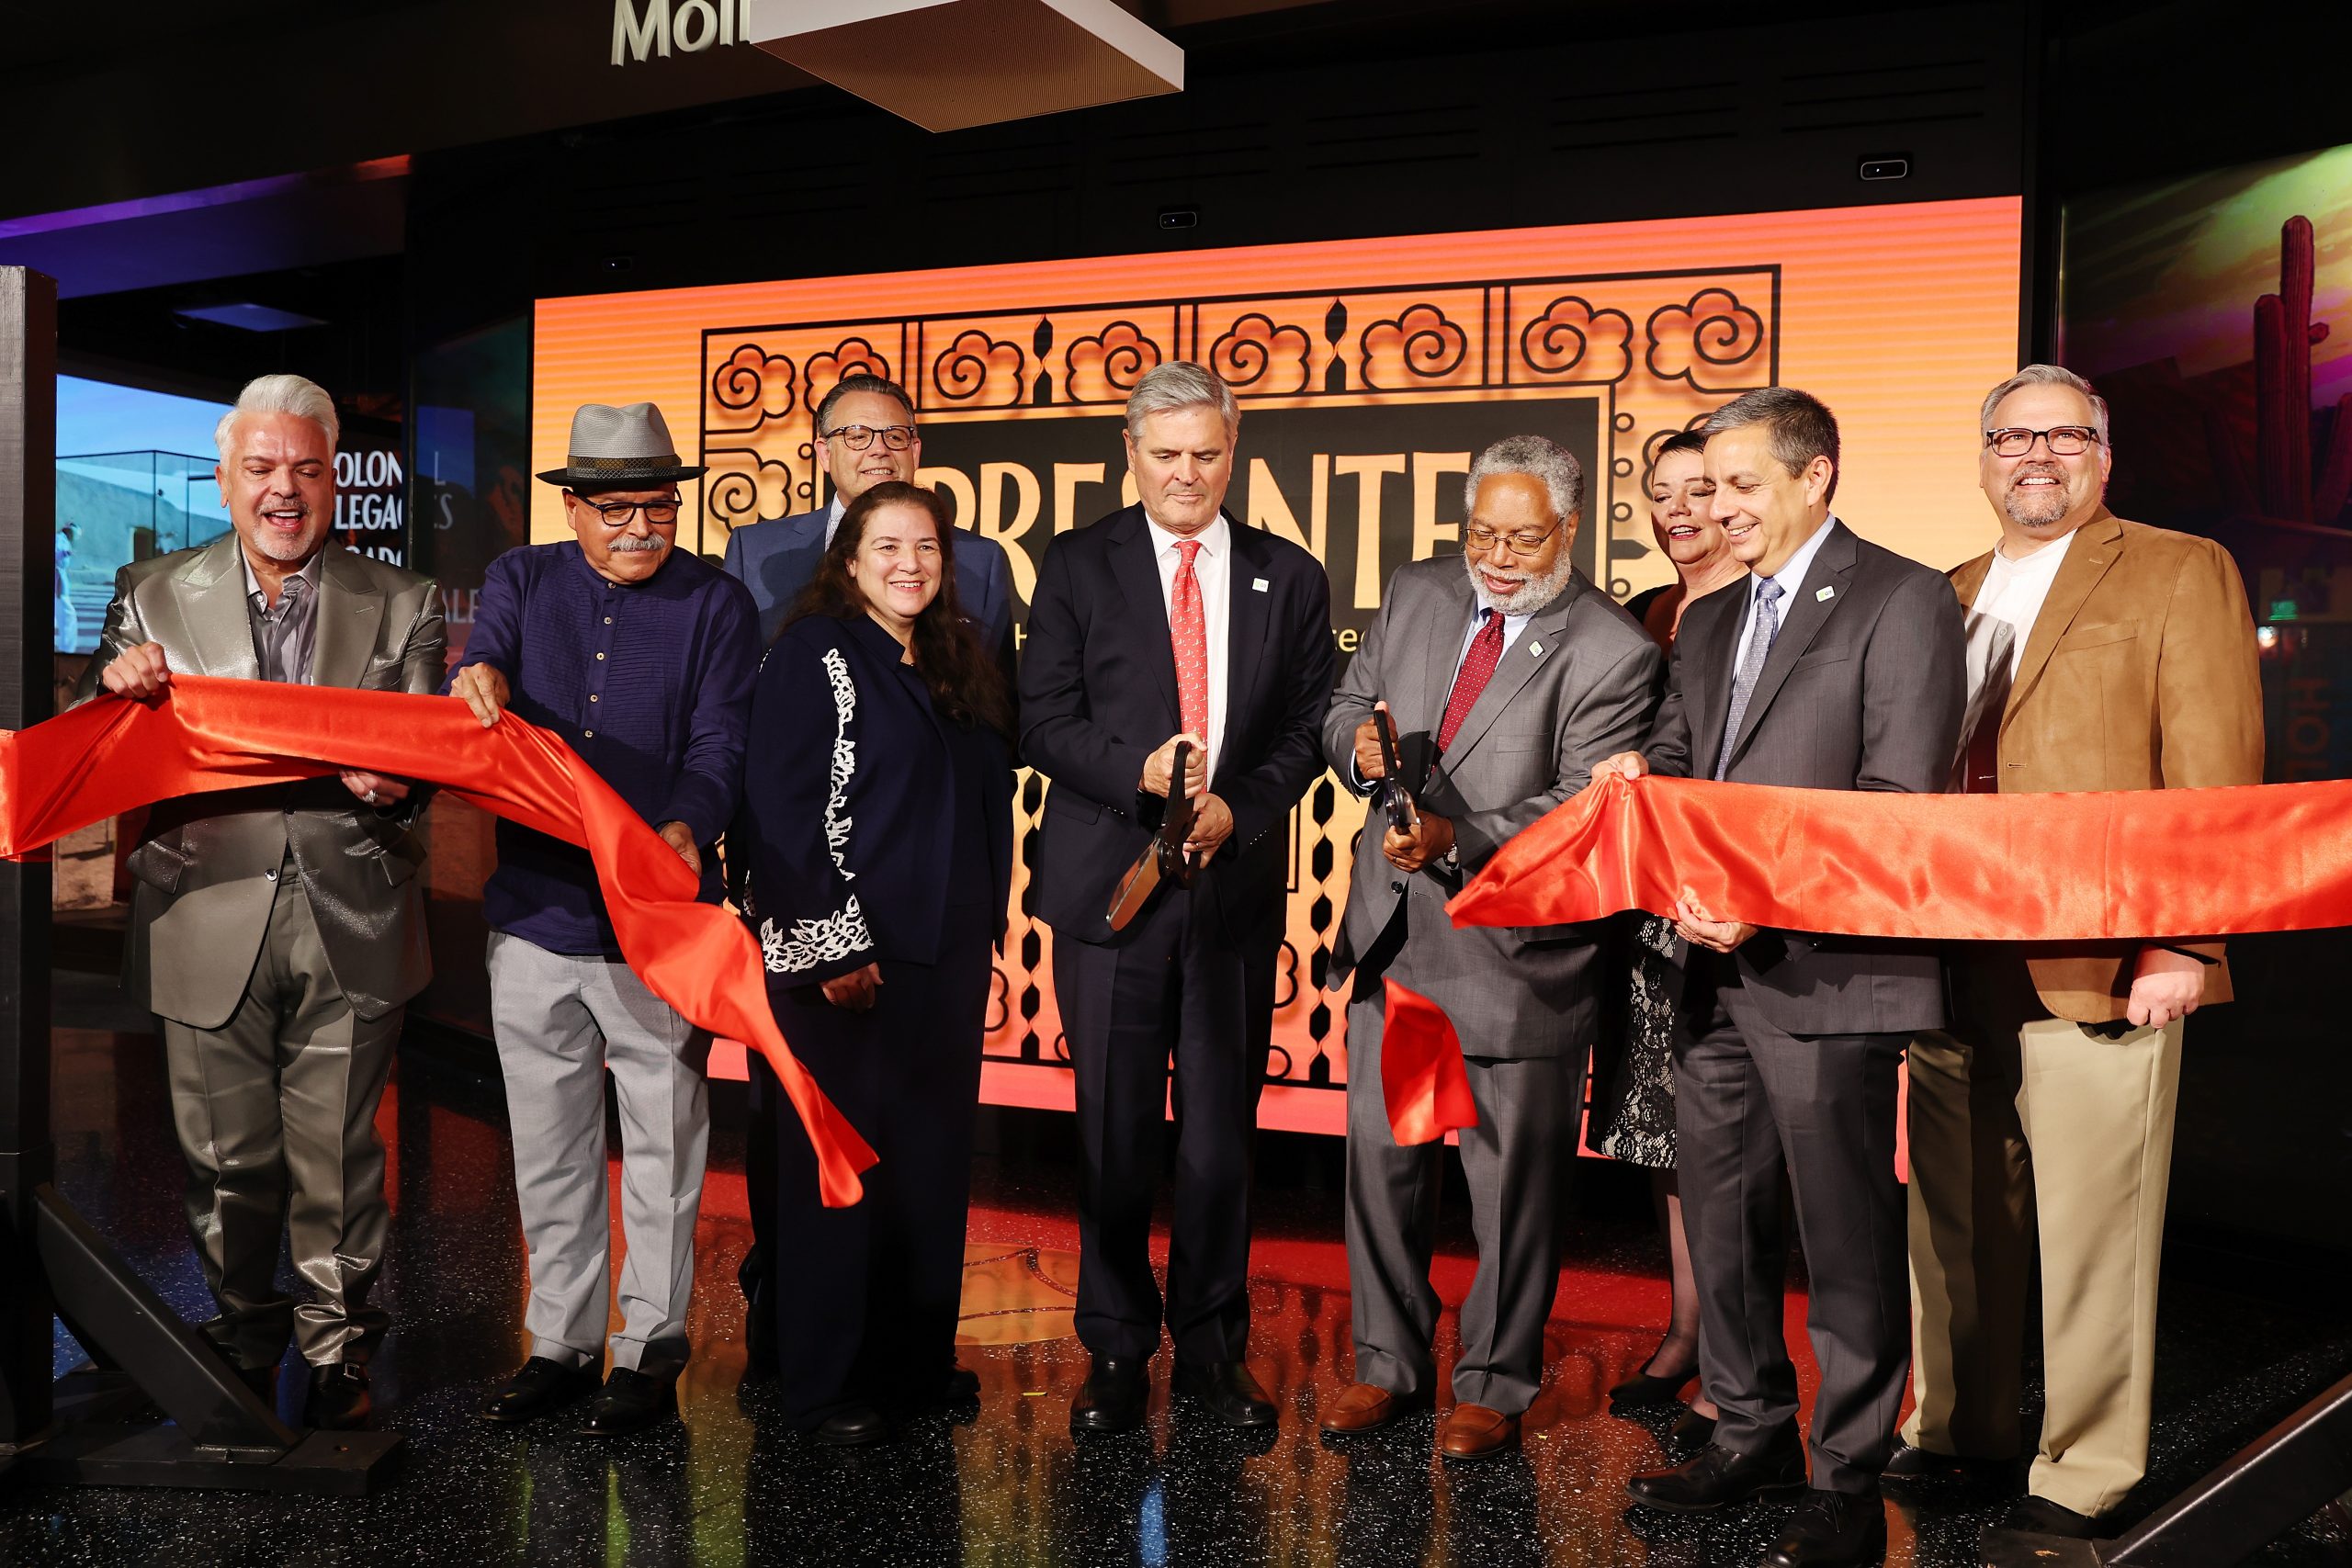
x,y
1368,372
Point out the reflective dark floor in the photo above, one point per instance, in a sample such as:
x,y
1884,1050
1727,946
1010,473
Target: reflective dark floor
x,y
730,1484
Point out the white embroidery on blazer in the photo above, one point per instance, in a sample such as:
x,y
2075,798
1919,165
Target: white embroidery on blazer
x,y
842,932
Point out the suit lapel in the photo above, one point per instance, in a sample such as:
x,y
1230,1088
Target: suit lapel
x,y
1540,641
1967,581
2093,550
210,599
1248,612
1443,653
350,618
1703,644
1137,575
1833,568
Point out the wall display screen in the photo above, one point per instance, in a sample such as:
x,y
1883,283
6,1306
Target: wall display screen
x,y
1369,373
134,480
2215,315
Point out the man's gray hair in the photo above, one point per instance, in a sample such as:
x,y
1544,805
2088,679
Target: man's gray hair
x,y
1181,384
2044,376
296,395
1800,428
1538,457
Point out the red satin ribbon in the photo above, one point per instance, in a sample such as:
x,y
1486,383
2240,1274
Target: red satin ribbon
x,y
1422,1080
109,756
2148,864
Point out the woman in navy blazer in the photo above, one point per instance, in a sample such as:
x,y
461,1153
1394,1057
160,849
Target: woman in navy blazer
x,y
877,830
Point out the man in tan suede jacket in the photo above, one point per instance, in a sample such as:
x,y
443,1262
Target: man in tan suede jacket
x,y
2103,655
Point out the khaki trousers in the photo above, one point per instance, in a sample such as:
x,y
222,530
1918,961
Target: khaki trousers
x,y
2022,1123
275,1112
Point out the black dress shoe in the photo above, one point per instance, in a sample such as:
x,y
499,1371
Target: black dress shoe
x,y
2039,1516
859,1427
541,1386
1715,1477
630,1402
339,1401
1691,1430
1113,1396
963,1384
1832,1529
1908,1465
1646,1388
1226,1390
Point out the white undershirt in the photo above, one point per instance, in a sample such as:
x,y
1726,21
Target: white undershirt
x,y
1211,569
2013,591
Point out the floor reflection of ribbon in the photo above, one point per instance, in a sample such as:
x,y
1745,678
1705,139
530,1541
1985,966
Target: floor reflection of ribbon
x,y
111,756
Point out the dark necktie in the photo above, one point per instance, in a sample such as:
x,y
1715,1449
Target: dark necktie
x,y
1478,669
1751,665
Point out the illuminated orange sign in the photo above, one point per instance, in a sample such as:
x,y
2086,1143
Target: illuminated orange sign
x,y
1368,373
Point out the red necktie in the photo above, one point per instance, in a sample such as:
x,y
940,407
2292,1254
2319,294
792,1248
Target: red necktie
x,y
1477,667
1188,631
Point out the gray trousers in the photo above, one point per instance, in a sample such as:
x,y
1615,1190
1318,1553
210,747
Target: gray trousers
x,y
1751,1101
1513,1161
275,1112
561,1019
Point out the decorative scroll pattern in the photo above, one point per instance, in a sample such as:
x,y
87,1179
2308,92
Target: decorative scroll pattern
x,y
1663,348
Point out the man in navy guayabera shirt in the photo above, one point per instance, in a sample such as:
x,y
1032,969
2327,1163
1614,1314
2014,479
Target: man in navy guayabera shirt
x,y
641,657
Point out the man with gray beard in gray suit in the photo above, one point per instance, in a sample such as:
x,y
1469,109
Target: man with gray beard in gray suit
x,y
1506,682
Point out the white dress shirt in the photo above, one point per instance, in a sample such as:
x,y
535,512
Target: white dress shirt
x,y
833,519
1513,627
1212,568
1791,577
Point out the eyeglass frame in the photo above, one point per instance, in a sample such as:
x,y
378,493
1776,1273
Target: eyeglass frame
x,y
1520,549
871,430
1993,440
630,508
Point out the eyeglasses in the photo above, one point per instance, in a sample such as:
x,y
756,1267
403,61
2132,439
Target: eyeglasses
x,y
616,513
2064,441
897,437
1521,544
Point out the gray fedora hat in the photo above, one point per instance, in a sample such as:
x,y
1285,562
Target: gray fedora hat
x,y
620,446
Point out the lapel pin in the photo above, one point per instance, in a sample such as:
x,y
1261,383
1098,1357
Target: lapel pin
x,y
1536,648
1258,584
1826,595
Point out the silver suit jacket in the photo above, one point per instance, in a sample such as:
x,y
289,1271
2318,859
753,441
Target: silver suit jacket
x,y
206,866
1578,684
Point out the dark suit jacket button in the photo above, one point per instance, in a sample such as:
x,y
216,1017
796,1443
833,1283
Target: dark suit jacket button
x,y
1396,887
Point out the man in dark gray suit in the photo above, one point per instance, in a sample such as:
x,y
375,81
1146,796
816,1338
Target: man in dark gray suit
x,y
1506,682
866,427
277,931
1833,664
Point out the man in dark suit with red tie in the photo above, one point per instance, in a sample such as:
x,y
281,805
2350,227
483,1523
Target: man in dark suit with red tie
x,y
1163,624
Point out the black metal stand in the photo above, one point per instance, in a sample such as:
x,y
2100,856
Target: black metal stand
x,y
165,1410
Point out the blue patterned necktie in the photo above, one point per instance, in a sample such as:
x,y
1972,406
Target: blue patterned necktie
x,y
1751,665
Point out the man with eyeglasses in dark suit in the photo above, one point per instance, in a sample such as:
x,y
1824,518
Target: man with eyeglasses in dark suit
x,y
865,426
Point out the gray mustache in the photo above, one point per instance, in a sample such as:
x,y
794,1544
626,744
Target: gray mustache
x,y
632,543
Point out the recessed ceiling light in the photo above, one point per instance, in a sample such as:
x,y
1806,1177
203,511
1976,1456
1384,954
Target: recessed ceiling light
x,y
252,318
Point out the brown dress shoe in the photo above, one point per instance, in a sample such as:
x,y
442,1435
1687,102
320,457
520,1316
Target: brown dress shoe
x,y
1472,1431
1365,1407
